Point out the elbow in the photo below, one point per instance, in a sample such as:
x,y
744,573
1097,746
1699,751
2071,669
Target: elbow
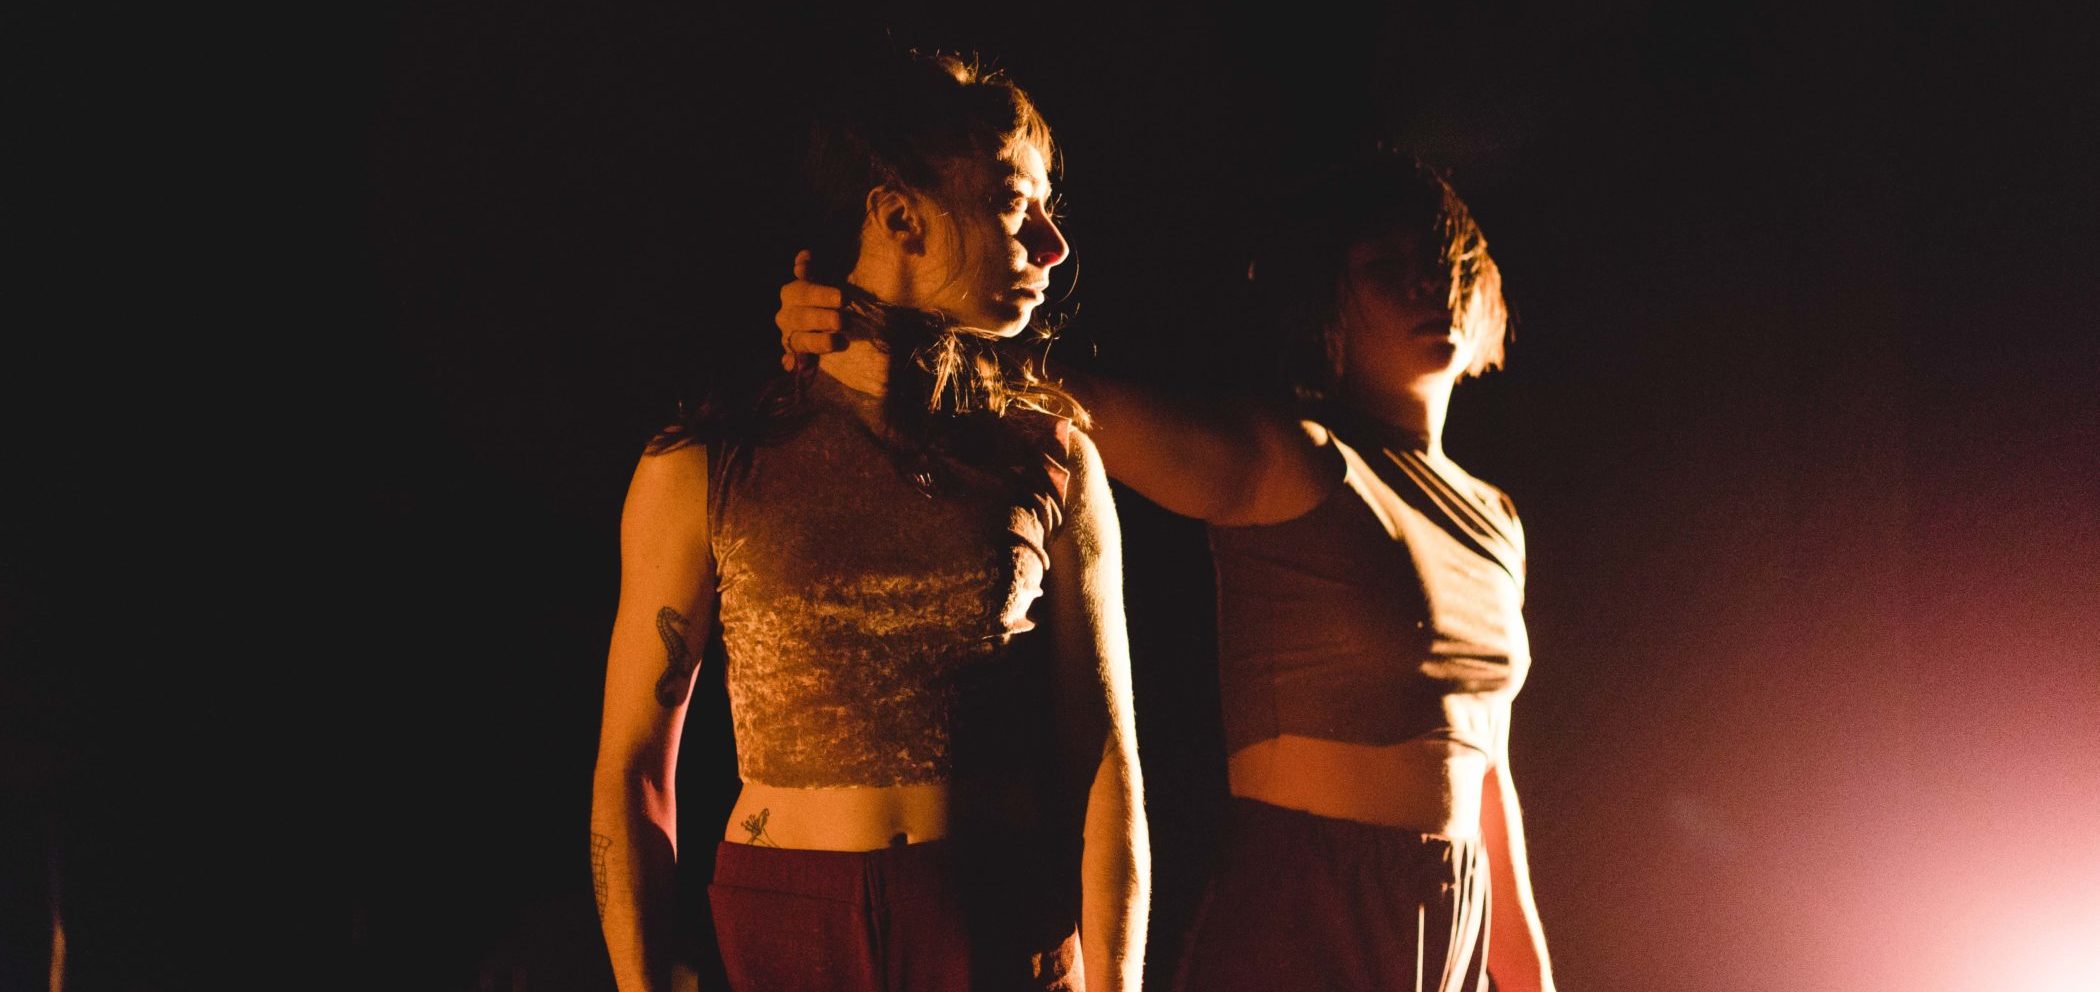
x,y
632,782
634,760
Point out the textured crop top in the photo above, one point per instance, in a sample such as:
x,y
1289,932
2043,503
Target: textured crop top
x,y
860,613
1387,613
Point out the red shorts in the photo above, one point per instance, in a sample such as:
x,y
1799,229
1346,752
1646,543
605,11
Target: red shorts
x,y
921,918
1308,902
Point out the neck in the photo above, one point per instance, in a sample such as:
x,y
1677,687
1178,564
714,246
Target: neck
x,y
1414,412
883,274
861,366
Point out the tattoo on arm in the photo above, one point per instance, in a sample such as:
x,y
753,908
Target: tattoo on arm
x,y
600,844
755,825
677,681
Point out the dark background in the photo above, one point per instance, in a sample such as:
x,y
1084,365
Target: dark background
x,y
343,333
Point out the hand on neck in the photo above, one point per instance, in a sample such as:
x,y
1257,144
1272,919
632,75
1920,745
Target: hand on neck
x,y
882,273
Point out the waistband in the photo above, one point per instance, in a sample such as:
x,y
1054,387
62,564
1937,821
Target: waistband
x,y
838,876
1253,823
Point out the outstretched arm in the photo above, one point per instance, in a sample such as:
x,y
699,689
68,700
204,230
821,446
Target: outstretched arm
x,y
1099,725
1215,461
667,605
1517,958
1221,462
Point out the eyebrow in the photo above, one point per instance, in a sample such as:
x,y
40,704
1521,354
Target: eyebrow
x,y
1015,180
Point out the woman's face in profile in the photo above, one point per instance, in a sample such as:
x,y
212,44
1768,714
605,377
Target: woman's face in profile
x,y
994,241
1396,318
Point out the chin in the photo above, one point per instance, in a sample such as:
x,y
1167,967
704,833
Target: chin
x,y
1442,352
1003,321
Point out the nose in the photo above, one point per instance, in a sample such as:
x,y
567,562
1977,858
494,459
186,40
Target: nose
x,y
1046,244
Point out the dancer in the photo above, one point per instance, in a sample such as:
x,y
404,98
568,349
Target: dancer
x,y
937,794
1369,593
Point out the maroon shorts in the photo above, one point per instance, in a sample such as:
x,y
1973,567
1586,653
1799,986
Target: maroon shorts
x,y
919,917
1308,902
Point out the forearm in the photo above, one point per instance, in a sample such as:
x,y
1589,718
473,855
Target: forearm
x,y
1517,958
1116,877
633,858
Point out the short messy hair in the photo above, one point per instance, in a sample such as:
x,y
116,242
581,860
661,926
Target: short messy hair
x,y
1297,265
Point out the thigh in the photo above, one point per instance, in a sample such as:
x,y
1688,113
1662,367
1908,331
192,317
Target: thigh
x,y
910,919
1257,929
1302,902
972,922
783,925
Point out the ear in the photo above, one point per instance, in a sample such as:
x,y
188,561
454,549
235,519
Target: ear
x,y
898,216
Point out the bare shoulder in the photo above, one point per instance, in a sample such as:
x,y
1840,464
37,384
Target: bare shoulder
x,y
1086,486
1089,517
1316,455
1313,435
1080,451
668,493
673,471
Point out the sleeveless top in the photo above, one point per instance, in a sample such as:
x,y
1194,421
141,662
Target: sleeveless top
x,y
1387,613
862,610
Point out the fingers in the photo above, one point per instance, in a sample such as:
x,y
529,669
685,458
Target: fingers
x,y
799,319
809,317
809,294
813,342
828,319
803,293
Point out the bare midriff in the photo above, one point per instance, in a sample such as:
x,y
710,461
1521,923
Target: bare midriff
x,y
1427,785
856,818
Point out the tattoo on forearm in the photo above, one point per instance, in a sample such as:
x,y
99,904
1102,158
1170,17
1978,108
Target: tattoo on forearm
x,y
755,825
600,844
677,682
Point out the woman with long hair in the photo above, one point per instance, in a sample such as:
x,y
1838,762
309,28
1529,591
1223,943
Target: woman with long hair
x,y
940,783
1369,601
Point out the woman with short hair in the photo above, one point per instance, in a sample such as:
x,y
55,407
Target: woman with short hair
x,y
1370,631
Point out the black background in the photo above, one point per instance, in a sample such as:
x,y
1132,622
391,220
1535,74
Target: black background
x,y
339,334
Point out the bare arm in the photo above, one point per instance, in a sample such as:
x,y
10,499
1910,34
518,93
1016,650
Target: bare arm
x,y
667,606
1221,462
1217,462
1093,674
1517,958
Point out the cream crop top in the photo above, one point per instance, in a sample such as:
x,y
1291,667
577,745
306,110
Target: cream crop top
x,y
1389,612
